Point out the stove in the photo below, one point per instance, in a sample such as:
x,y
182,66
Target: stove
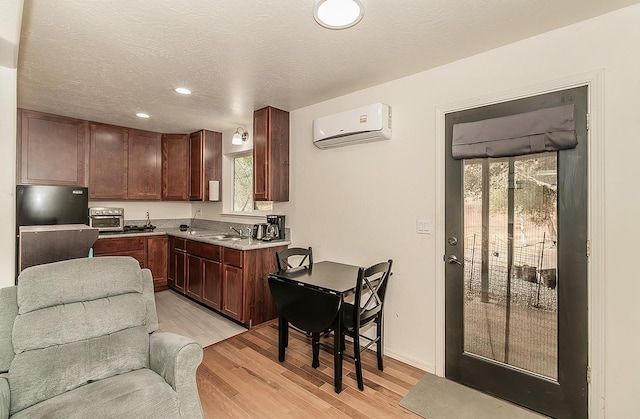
x,y
135,228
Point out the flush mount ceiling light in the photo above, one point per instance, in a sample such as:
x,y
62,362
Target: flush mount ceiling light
x,y
142,115
338,14
239,138
183,90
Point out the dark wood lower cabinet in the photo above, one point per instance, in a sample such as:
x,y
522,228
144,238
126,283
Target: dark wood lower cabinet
x,y
231,281
212,284
149,251
233,292
157,260
177,272
194,277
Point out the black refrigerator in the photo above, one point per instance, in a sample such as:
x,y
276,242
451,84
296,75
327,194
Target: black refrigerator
x,y
51,205
42,231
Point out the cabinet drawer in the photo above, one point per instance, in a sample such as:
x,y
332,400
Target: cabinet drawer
x,y
207,251
111,246
179,244
136,254
233,257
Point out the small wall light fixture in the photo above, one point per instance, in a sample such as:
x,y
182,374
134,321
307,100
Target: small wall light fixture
x,y
338,14
239,138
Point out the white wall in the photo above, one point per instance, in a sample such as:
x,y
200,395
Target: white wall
x,y
10,22
359,204
8,88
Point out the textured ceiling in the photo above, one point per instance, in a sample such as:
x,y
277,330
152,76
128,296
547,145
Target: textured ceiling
x,y
106,60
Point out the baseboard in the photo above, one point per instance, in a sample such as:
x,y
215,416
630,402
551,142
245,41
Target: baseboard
x,y
430,368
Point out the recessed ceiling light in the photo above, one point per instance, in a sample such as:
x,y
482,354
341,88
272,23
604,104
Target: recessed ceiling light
x,y
142,115
183,90
338,14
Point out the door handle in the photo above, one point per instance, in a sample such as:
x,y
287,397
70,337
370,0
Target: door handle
x,y
453,260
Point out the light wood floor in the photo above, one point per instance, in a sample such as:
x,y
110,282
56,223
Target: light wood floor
x,y
242,378
178,314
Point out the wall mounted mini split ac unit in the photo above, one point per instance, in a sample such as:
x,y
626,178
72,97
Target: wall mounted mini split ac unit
x,y
360,125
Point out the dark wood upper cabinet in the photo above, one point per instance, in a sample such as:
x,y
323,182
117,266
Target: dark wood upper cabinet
x,y
109,160
125,163
51,149
270,155
144,171
175,167
205,163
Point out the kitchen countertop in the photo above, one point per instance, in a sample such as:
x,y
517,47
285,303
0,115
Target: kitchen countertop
x,y
204,236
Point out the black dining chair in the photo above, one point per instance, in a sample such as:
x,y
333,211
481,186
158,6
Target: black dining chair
x,y
367,307
285,258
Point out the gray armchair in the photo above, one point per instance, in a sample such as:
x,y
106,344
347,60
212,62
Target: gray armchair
x,y
76,341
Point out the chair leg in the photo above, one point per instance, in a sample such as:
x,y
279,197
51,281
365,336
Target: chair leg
x,y
357,359
315,344
380,343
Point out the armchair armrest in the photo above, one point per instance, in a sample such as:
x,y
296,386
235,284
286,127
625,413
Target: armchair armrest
x,y
176,358
5,397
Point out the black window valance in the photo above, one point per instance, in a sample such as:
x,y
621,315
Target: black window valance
x,y
550,129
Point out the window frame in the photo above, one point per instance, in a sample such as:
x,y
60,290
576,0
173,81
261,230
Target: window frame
x,y
229,188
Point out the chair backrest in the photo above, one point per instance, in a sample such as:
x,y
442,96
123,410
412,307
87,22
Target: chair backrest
x,y
307,309
371,287
79,321
305,257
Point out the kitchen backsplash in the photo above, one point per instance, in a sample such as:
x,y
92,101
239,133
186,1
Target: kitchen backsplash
x,y
220,226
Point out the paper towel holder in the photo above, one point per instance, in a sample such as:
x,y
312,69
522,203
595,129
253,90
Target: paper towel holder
x,y
214,190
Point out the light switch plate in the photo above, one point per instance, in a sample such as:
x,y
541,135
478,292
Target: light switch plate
x,y
423,226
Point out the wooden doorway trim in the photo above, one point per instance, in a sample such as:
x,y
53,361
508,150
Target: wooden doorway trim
x,y
594,81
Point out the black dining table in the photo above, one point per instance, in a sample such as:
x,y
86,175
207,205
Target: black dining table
x,y
332,277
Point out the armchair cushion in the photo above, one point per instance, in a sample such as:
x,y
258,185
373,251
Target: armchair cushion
x,y
40,374
137,394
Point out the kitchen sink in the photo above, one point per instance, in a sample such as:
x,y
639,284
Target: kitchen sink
x,y
198,233
218,236
208,234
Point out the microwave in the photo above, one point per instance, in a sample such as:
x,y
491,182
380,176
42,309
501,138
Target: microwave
x,y
106,219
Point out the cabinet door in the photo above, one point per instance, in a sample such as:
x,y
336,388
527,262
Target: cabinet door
x,y
260,154
212,284
175,167
233,292
205,163
196,166
52,149
271,155
194,277
180,270
171,266
176,277
108,165
157,260
144,169
122,246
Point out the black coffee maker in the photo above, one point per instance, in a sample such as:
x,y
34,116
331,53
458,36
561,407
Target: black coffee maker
x,y
277,221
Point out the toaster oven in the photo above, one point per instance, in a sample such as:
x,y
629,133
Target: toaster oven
x,y
106,219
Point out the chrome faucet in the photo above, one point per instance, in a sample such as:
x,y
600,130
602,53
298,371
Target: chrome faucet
x,y
236,230
190,228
